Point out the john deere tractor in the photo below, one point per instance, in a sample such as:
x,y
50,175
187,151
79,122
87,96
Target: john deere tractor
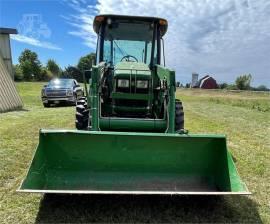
x,y
131,137
130,90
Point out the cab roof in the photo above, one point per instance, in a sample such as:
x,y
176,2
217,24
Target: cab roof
x,y
101,18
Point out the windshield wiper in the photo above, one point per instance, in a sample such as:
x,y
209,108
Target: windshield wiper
x,y
121,51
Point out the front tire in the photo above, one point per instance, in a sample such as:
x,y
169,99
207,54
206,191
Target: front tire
x,y
82,114
179,115
46,105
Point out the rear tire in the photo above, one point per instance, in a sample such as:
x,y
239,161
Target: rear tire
x,y
82,114
179,115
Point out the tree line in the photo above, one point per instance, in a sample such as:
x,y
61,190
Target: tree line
x,y
242,82
30,68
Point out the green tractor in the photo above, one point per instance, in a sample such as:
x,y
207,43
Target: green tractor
x,y
131,137
129,89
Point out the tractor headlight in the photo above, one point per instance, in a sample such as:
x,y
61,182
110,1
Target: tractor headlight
x,y
123,83
142,84
69,92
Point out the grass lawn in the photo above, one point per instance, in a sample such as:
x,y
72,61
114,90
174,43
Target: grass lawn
x,y
243,116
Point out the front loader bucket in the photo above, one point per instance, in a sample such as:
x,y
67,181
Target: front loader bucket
x,y
132,163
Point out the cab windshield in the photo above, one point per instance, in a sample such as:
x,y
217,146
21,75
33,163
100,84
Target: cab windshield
x,y
61,83
124,41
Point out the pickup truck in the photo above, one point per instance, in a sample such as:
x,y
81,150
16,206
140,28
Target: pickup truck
x,y
61,91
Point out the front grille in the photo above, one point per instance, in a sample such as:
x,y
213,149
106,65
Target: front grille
x,y
131,103
137,108
56,93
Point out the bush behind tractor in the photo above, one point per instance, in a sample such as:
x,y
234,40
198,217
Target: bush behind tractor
x,y
130,136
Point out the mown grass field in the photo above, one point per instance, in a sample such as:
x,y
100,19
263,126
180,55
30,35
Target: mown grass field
x,y
243,116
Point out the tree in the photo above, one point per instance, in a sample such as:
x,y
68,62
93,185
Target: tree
x,y
177,84
53,67
223,85
72,72
86,62
46,75
243,82
262,88
30,65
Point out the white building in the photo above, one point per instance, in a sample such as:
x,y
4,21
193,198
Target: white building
x,y
9,97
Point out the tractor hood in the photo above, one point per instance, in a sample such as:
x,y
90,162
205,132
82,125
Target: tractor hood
x,y
138,69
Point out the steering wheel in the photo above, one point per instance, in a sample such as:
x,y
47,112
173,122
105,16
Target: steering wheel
x,y
127,58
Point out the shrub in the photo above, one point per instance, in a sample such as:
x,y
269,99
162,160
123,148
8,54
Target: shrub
x,y
231,87
18,75
46,75
223,85
243,82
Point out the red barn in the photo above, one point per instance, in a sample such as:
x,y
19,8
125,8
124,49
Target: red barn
x,y
208,82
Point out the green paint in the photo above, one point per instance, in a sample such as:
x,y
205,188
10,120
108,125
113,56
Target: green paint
x,y
168,76
124,69
119,161
94,95
132,124
138,96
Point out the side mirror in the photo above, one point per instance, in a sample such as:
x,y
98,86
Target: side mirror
x,y
77,85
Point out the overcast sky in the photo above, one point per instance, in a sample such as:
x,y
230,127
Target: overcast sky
x,y
221,38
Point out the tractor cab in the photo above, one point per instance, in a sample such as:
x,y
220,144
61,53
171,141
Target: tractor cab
x,y
130,47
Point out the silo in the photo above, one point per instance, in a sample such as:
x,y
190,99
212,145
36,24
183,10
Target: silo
x,y
194,81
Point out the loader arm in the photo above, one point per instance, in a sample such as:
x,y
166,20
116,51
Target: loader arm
x,y
167,80
94,93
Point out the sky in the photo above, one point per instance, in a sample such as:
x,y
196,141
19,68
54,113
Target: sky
x,y
222,38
